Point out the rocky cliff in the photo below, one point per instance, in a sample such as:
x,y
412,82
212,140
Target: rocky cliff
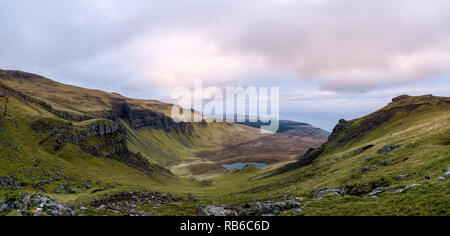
x,y
139,117
99,137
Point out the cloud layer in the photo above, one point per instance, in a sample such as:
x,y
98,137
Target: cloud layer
x,y
349,44
337,47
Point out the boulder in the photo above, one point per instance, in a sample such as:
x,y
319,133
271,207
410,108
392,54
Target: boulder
x,y
36,205
408,187
268,208
382,163
216,210
386,149
324,192
297,211
4,206
445,174
200,211
101,208
400,177
86,186
363,170
72,190
376,191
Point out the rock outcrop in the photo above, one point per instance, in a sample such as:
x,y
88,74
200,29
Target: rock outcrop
x,y
216,210
99,137
128,203
10,183
35,205
139,117
269,208
324,192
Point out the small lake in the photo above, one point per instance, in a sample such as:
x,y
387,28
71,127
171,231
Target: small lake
x,y
242,165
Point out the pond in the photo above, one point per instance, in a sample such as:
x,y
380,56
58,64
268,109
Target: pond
x,y
242,165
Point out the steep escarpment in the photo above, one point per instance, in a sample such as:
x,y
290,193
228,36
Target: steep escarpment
x,y
99,137
137,125
78,104
139,117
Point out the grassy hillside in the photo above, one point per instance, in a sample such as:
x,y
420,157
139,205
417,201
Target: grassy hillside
x,y
72,99
149,129
409,137
52,143
33,165
411,172
167,148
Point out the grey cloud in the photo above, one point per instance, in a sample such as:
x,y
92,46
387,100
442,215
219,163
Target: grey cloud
x,y
349,44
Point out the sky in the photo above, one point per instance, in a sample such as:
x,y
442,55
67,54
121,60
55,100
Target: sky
x,y
331,59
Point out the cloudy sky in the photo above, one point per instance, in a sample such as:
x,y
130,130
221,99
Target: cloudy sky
x,y
331,59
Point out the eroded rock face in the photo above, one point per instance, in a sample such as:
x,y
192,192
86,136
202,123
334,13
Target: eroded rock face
x,y
100,137
113,138
140,118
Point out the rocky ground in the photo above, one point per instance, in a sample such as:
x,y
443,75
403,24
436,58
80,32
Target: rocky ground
x,y
144,203
35,205
268,208
130,203
124,203
46,181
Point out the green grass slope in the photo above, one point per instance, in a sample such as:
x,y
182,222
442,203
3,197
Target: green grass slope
x,y
34,166
72,99
167,148
355,159
44,150
149,129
